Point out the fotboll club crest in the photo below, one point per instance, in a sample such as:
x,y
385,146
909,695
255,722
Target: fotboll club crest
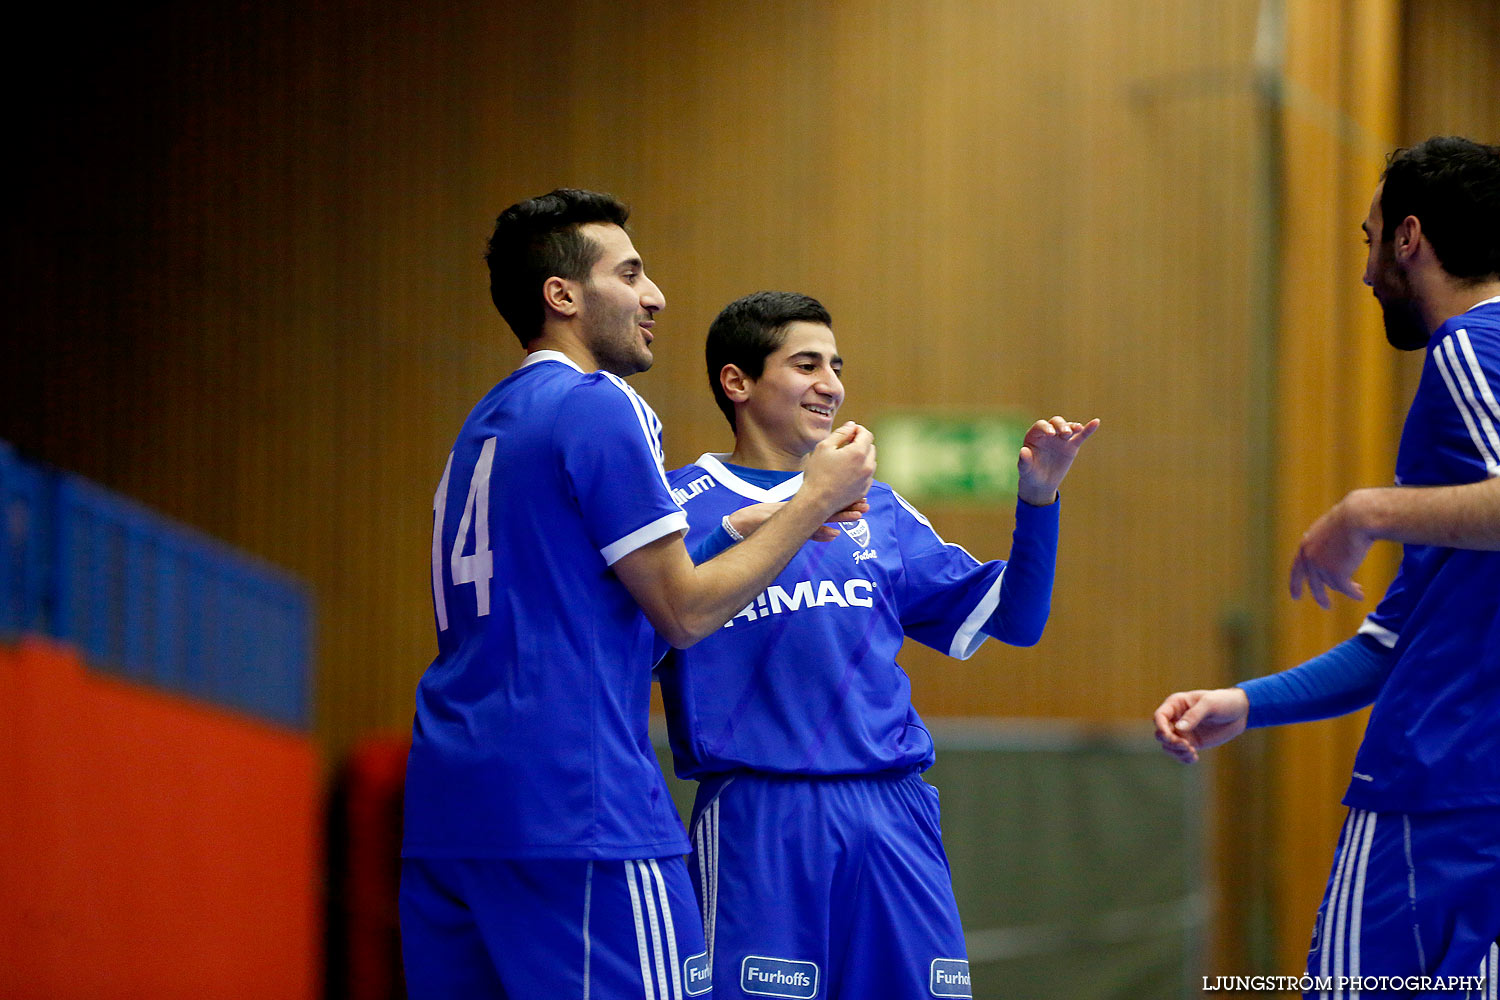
x,y
857,530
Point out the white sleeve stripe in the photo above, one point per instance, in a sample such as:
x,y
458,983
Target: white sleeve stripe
x,y
1490,411
659,528
911,510
1441,355
1379,633
969,637
923,519
631,394
650,426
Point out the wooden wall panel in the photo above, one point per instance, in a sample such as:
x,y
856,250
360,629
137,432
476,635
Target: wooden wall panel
x,y
1451,70
249,289
1334,370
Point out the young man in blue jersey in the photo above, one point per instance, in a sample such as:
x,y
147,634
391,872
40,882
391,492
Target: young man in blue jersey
x,y
817,852
542,856
1415,886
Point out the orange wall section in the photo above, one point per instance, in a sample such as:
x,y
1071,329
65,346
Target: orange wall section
x,y
150,846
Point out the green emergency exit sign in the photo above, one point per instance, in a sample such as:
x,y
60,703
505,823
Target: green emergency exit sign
x,y
964,458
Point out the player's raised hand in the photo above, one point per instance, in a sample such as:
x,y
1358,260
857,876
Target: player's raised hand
x,y
1190,721
747,519
1046,455
1329,554
839,470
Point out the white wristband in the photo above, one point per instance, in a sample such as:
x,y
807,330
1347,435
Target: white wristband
x,y
729,528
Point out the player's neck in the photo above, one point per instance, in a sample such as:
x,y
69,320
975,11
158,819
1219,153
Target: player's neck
x,y
1446,298
564,342
754,451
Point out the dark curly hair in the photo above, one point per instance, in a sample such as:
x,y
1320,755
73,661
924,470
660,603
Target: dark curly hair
x,y
1452,186
539,239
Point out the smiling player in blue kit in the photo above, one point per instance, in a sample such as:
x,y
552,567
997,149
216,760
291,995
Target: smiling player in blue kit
x,y
817,852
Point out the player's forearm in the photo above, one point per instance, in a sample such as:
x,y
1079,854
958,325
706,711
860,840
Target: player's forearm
x,y
1455,517
1026,589
722,586
1344,679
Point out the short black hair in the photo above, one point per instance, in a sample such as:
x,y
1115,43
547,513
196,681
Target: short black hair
x,y
748,329
537,239
1452,186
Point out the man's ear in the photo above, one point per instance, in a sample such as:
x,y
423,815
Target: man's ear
x,y
736,384
1407,239
561,295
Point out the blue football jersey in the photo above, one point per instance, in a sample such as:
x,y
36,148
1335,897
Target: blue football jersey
x,y
1433,741
804,680
531,732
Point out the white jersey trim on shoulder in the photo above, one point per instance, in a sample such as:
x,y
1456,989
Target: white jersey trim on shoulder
x,y
1490,412
1379,633
923,518
1471,395
713,464
659,528
650,426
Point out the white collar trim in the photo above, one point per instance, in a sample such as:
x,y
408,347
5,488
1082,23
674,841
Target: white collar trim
x,y
537,357
713,464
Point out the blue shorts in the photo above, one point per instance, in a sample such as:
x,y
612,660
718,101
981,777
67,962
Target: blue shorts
x,y
513,929
831,888
1411,895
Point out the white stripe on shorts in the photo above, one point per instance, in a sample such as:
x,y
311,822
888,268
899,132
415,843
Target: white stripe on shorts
x,y
640,931
1359,902
1341,916
706,841
713,854
648,890
1411,892
708,925
671,930
588,899
1336,911
1331,906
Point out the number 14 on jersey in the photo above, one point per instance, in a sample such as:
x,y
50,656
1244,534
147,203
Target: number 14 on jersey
x,y
478,566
